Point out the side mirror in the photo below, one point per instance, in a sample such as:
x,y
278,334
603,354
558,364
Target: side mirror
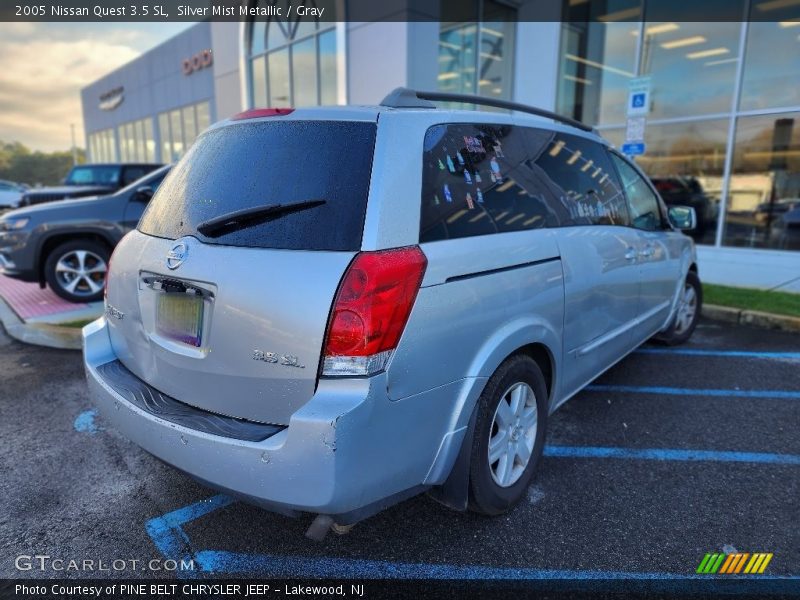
x,y
143,194
682,217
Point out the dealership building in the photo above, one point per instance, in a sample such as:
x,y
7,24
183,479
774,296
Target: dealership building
x,y
721,121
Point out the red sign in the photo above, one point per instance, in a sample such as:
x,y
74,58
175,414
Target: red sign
x,y
201,60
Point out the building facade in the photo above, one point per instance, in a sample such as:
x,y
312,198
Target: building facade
x,y
722,123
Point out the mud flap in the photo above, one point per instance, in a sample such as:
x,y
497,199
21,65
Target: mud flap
x,y
454,492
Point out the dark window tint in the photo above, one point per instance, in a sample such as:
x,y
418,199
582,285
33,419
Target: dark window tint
x,y
584,181
477,180
261,164
483,179
642,202
133,173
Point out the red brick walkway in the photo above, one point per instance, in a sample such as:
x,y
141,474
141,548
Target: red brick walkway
x,y
28,300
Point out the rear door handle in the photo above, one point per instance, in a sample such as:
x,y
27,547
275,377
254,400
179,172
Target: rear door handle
x,y
631,254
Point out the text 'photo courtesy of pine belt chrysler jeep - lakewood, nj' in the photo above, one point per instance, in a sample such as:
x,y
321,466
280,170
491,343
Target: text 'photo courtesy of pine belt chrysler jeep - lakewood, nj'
x,y
329,310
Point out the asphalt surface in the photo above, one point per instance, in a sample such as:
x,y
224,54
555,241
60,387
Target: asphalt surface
x,y
73,489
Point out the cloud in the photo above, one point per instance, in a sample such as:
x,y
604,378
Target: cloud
x,y
45,66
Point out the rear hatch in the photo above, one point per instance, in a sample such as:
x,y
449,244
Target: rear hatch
x,y
221,298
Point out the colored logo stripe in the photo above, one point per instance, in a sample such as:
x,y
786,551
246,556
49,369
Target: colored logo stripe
x,y
730,564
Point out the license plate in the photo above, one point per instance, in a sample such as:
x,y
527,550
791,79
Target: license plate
x,y
179,317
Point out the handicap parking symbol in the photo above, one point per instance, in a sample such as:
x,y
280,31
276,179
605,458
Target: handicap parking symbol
x,y
637,100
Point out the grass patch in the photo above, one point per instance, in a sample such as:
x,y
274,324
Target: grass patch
x,y
76,324
780,303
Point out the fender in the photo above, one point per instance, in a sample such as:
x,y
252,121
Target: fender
x,y
454,459
688,258
105,233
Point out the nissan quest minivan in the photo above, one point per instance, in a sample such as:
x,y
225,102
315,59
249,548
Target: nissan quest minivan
x,y
329,310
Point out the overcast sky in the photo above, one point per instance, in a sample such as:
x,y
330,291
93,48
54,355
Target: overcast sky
x,y
45,65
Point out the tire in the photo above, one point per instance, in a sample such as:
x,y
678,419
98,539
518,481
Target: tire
x,y
76,270
690,304
493,490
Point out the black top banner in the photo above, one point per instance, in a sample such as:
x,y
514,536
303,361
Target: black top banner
x,y
602,11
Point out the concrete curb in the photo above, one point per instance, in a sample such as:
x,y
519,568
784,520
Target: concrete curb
x,y
751,318
40,334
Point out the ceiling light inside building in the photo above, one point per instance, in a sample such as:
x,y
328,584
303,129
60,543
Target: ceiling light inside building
x,y
707,53
687,41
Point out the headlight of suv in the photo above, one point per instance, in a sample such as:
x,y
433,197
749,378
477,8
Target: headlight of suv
x,y
13,224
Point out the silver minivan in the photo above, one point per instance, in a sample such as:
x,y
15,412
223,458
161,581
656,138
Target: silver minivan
x,y
329,310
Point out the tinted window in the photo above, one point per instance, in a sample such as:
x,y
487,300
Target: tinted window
x,y
643,203
477,180
261,164
482,179
94,175
133,173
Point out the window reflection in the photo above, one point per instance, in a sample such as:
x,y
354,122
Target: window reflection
x,y
598,58
772,60
477,57
294,62
692,65
764,199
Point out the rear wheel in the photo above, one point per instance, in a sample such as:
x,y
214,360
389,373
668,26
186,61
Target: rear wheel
x,y
509,435
77,270
689,304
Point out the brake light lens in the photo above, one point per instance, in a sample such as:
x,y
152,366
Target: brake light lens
x,y
371,310
255,113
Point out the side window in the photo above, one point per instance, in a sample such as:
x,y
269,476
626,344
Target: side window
x,y
643,203
583,180
477,180
132,174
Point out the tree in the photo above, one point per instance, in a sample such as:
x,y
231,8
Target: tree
x,y
18,163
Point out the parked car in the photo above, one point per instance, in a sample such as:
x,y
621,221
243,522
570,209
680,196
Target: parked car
x,y
67,244
767,212
10,194
333,309
90,180
785,232
687,191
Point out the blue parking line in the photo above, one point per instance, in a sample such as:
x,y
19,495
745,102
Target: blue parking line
x,y
711,352
670,454
173,543
84,422
673,391
219,562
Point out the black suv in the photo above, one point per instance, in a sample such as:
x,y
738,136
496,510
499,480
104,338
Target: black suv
x,y
67,244
90,180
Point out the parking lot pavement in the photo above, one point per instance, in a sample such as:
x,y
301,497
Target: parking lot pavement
x,y
671,454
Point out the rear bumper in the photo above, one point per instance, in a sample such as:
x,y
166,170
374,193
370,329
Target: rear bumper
x,y
348,448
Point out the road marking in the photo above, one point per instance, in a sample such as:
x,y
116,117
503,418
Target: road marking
x,y
673,391
670,454
84,422
173,543
731,353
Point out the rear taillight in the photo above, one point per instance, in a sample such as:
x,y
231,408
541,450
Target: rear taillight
x,y
256,113
371,309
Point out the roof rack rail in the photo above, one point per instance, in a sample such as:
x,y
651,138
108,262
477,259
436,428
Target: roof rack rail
x,y
406,98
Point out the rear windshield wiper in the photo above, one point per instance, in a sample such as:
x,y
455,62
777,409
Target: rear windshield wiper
x,y
247,217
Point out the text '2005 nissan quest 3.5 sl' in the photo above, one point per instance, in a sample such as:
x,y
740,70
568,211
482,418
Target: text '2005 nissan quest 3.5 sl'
x,y
329,310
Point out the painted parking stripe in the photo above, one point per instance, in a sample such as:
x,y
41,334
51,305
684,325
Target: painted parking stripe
x,y
84,422
673,391
168,535
712,352
670,454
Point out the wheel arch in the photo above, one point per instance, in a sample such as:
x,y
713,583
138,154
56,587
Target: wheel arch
x,y
52,241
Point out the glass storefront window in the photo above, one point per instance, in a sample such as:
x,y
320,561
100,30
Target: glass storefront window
x,y
177,134
258,76
304,73
189,125
764,198
328,78
203,117
166,143
478,58
692,67
294,63
772,62
686,163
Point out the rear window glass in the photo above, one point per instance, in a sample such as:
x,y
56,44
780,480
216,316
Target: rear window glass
x,y
260,164
481,179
